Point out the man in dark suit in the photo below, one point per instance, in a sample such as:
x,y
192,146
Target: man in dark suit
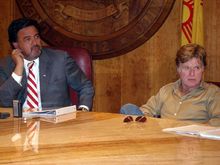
x,y
55,71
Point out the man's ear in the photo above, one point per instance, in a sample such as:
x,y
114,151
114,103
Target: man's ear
x,y
15,45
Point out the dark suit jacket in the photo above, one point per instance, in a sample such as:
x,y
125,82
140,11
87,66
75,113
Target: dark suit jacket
x,y
57,72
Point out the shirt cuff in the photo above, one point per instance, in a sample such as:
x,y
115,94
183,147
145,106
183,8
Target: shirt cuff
x,y
16,78
83,107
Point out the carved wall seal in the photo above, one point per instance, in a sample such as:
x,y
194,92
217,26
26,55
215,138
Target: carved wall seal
x,y
106,28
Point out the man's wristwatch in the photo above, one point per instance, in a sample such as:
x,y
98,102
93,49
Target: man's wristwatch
x,y
83,109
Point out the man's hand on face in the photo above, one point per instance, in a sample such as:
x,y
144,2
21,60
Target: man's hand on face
x,y
18,59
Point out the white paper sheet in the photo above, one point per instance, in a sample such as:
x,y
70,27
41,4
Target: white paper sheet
x,y
196,131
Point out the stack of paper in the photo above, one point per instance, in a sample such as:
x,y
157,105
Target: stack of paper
x,y
196,131
211,134
60,119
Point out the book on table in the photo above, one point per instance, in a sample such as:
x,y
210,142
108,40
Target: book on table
x,y
49,112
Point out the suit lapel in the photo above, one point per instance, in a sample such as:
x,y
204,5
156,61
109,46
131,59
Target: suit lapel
x,y
44,67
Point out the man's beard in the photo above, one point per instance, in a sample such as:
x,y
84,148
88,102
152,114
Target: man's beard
x,y
35,52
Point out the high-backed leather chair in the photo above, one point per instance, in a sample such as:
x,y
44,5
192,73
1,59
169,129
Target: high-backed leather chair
x,y
84,61
215,83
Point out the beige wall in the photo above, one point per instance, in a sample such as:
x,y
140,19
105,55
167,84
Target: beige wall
x,y
137,75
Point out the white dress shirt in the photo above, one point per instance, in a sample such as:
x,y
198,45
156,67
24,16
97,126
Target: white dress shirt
x,y
36,72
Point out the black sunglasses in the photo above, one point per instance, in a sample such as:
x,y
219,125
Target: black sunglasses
x,y
141,119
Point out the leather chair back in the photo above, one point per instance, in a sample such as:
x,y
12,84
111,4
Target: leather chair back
x,y
215,83
84,61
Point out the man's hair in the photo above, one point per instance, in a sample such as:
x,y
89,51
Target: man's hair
x,y
19,24
189,51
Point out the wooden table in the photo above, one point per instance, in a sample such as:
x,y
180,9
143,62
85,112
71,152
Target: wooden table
x,y
102,138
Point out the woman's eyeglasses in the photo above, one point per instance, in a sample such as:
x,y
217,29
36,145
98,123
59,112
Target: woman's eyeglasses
x,y
141,119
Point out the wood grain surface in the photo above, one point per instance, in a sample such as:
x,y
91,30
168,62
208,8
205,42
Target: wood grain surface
x,y
139,74
103,138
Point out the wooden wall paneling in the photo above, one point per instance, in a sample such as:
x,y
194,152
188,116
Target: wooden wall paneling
x,y
212,39
17,13
163,49
107,81
135,76
9,11
7,8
